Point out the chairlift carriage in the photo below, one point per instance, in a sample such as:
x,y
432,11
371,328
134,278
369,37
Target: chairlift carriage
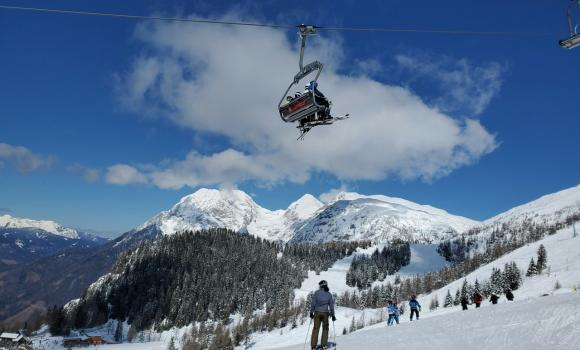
x,y
309,108
574,39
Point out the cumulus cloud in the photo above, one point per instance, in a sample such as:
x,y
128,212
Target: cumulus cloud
x,y
463,86
122,174
86,173
331,194
228,81
24,159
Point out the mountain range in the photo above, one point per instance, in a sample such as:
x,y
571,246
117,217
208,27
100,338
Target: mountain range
x,y
58,278
349,216
24,240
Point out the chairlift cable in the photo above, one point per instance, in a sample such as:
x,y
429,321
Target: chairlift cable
x,y
267,25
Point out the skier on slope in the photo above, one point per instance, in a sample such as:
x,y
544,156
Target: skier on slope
x,y
494,298
509,295
321,307
414,306
477,299
393,313
464,303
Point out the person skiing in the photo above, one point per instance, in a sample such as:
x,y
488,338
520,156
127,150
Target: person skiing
x,y
509,295
393,313
414,306
477,299
321,307
494,298
464,302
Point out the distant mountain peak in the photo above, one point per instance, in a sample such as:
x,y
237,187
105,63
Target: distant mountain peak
x,y
305,206
8,221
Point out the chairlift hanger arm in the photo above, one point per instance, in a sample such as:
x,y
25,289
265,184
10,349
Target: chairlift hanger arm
x,y
569,16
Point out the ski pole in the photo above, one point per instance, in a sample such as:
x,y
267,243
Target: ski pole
x,y
307,331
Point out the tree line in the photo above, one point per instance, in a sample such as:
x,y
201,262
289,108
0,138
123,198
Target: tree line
x,y
364,270
194,277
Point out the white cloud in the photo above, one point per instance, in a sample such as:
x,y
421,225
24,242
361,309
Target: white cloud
x,y
24,159
464,87
122,174
87,174
329,196
228,81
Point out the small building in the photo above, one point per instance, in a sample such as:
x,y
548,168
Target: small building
x,y
85,340
11,340
96,340
72,342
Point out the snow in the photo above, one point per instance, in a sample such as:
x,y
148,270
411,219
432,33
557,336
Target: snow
x,y
508,325
540,323
373,217
8,221
424,258
554,203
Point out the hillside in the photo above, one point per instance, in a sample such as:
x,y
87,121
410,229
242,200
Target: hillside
x,y
439,328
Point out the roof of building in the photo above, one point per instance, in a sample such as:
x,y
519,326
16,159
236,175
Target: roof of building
x,y
15,337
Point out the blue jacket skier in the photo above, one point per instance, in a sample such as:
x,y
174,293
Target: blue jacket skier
x,y
321,307
414,306
393,313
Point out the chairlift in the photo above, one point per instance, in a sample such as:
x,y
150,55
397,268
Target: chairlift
x,y
574,39
309,108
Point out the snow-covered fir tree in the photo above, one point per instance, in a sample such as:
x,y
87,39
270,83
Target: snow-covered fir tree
x,y
434,304
457,299
532,269
542,262
448,299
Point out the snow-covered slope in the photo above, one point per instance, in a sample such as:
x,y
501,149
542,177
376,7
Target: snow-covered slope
x,y
533,324
350,217
7,221
379,218
548,208
533,321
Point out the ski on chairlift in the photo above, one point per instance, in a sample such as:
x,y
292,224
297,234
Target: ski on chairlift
x,y
310,107
574,39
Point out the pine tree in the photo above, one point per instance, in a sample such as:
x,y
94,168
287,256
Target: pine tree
x,y
457,299
434,304
477,287
532,269
119,332
171,345
448,299
512,276
542,263
466,289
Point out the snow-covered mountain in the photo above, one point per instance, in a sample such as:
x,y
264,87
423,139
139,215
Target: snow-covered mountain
x,y
554,210
350,216
232,209
548,209
7,221
23,240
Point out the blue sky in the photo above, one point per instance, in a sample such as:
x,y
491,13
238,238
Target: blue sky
x,y
106,122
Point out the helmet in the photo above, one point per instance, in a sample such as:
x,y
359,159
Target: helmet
x,y
323,283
